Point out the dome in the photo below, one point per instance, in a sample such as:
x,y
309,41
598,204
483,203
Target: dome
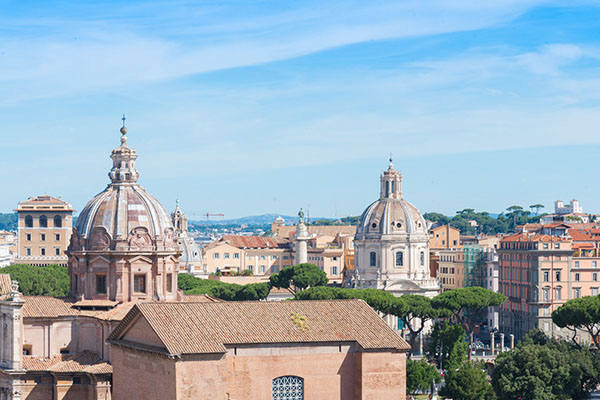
x,y
120,210
391,217
124,215
391,214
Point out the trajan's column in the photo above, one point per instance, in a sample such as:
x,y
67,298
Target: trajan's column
x,y
302,237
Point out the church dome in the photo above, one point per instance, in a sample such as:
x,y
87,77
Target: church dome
x,y
124,212
390,214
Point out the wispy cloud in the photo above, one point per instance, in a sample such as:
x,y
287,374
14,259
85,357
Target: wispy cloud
x,y
61,57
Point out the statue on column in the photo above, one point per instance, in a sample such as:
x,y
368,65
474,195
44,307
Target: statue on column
x,y
301,216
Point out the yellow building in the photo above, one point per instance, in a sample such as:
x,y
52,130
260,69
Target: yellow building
x,y
45,225
444,237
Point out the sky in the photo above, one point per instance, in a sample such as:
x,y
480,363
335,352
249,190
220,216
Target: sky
x,y
253,107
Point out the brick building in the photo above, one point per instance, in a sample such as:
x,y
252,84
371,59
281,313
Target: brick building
x,y
257,350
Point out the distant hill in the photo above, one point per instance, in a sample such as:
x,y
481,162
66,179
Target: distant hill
x,y
252,220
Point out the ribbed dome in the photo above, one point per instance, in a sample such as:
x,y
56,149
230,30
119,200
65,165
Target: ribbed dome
x,y
391,216
124,216
122,208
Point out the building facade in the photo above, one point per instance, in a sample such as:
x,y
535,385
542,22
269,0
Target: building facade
x,y
124,246
392,243
44,230
259,351
444,237
191,254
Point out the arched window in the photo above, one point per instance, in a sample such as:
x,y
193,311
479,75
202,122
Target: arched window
x,y
57,221
29,221
399,259
387,188
393,187
288,388
373,259
43,221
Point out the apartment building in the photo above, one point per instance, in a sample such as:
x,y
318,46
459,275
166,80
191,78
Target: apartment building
x,y
444,237
535,275
268,255
45,224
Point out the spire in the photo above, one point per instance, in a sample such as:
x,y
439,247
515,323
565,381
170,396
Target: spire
x,y
123,170
391,183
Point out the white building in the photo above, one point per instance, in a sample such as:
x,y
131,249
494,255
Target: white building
x,y
572,208
392,243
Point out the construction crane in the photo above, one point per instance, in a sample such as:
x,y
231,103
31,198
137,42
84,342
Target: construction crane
x,y
208,215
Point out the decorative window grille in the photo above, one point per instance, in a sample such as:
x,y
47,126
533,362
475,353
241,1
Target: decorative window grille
x,y
288,388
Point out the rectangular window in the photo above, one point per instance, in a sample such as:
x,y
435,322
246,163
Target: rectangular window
x,y
576,293
236,255
286,257
576,264
594,264
251,268
595,276
557,245
139,283
373,259
28,251
263,257
274,257
334,270
169,283
43,237
594,291
28,237
546,294
422,259
546,276
557,293
57,251
557,276
42,251
399,259
545,245
100,283
577,277
57,237
216,256
226,255
263,269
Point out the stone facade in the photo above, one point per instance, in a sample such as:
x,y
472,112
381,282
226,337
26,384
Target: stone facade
x,y
124,247
44,225
392,243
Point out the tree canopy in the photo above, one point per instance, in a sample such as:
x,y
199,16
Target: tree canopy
x,y
545,369
299,277
222,290
581,313
446,345
52,280
468,382
419,375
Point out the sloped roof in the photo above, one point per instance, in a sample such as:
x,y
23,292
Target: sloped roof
x,y
531,237
251,242
5,284
193,328
47,307
85,361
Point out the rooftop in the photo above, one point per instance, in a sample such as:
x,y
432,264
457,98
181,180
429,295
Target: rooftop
x,y
193,328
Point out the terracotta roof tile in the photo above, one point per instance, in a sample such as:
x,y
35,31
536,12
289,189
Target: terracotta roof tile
x,y
47,307
5,284
191,328
252,242
85,361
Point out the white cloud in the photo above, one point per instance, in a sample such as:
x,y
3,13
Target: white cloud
x,y
74,57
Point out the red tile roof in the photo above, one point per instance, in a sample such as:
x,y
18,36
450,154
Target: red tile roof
x,y
533,237
193,328
85,361
252,242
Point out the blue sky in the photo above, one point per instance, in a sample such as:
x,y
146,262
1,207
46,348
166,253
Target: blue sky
x,y
245,108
